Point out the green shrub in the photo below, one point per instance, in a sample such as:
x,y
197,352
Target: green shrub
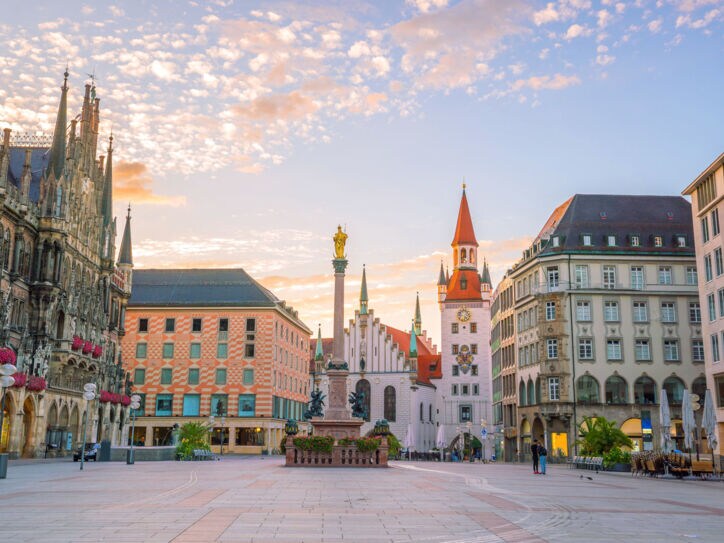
x,y
315,443
600,436
616,456
367,444
192,436
394,445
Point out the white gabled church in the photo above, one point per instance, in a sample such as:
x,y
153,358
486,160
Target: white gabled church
x,y
404,377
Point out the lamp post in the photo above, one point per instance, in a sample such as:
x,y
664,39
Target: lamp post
x,y
469,426
459,432
212,420
483,435
135,404
89,393
6,381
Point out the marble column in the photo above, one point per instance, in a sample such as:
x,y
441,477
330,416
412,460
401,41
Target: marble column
x,y
340,265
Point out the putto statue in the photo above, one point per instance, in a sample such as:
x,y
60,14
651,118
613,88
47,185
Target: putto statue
x,y
315,405
357,401
340,239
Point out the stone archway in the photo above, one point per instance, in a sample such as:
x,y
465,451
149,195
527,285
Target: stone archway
x,y
8,423
27,439
538,430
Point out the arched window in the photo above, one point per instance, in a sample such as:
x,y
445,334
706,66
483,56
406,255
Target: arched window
x,y
537,388
463,256
587,390
472,256
429,412
390,403
521,394
674,388
422,418
616,391
363,385
531,393
699,387
645,390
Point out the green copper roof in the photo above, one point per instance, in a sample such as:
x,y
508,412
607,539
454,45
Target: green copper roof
x,y
363,298
486,273
125,255
418,315
441,281
319,353
413,342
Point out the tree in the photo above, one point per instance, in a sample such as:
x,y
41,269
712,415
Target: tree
x,y
192,436
600,436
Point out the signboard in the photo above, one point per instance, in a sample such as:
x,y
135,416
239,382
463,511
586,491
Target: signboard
x,y
647,431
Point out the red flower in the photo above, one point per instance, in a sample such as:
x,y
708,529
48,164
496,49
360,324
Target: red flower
x,y
36,384
20,379
97,351
7,356
125,400
105,396
77,343
87,347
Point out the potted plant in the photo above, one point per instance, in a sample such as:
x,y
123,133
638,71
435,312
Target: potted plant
x,y
617,460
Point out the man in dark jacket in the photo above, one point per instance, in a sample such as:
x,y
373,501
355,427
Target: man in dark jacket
x,y
534,454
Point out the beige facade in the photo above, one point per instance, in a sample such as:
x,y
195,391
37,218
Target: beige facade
x,y
605,321
707,202
505,398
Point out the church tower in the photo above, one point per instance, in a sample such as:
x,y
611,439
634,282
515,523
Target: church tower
x,y
464,392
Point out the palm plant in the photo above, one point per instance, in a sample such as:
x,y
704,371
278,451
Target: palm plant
x,y
600,436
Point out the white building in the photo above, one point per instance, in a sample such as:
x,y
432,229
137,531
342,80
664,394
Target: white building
x,y
464,391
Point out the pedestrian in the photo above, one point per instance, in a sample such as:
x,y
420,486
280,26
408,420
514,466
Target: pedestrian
x,y
534,454
543,456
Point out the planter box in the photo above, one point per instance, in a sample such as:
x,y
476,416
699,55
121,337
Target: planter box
x,y
621,468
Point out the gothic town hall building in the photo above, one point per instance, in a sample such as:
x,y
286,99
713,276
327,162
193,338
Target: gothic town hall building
x,y
63,292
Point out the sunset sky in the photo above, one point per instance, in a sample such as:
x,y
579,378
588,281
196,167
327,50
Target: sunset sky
x,y
244,132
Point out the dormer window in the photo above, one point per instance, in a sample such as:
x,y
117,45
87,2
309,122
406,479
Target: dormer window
x,y
556,241
463,283
658,241
587,240
635,241
611,241
681,241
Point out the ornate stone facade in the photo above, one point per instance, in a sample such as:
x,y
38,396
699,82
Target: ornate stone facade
x,y
63,294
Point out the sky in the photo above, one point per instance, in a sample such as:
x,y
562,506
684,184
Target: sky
x,y
245,132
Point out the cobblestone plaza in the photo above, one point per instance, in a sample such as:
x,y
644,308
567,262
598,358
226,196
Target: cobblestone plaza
x,y
255,499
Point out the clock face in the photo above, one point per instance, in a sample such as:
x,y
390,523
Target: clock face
x,y
464,315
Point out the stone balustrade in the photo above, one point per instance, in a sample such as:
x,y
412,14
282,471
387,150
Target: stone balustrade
x,y
341,456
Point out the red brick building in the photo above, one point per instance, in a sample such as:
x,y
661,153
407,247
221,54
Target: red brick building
x,y
214,342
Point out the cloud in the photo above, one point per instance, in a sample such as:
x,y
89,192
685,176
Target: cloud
x,y
425,6
655,26
576,31
132,182
547,82
285,107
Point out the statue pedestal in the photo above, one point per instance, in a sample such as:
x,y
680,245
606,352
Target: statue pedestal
x,y
338,429
337,409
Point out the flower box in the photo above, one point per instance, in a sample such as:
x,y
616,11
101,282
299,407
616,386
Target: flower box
x,y
7,356
87,347
20,380
77,343
36,384
97,351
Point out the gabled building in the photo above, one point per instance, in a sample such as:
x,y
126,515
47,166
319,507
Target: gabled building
x,y
503,351
63,292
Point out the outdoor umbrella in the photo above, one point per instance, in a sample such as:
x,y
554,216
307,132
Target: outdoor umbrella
x,y
409,440
687,422
665,421
708,423
440,441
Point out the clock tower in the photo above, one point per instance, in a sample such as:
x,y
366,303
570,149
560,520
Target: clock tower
x,y
464,394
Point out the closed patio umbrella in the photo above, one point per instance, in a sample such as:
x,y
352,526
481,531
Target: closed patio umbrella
x,y
440,441
708,423
409,442
687,422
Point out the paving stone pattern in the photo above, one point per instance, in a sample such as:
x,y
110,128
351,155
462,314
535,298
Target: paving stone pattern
x,y
256,499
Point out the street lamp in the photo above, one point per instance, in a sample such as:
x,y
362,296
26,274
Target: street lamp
x,y
6,381
135,404
469,426
483,434
89,393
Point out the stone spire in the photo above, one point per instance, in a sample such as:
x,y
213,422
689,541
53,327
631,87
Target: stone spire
x,y
56,161
125,255
418,316
363,298
107,203
319,353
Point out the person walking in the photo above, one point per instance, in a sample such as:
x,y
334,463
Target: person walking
x,y
534,454
542,456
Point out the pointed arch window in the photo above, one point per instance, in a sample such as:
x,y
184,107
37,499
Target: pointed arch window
x,y
390,403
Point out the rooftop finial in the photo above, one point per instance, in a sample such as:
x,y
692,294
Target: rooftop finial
x,y
129,211
65,76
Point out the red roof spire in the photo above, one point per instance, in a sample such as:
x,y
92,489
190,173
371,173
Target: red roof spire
x,y
464,233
